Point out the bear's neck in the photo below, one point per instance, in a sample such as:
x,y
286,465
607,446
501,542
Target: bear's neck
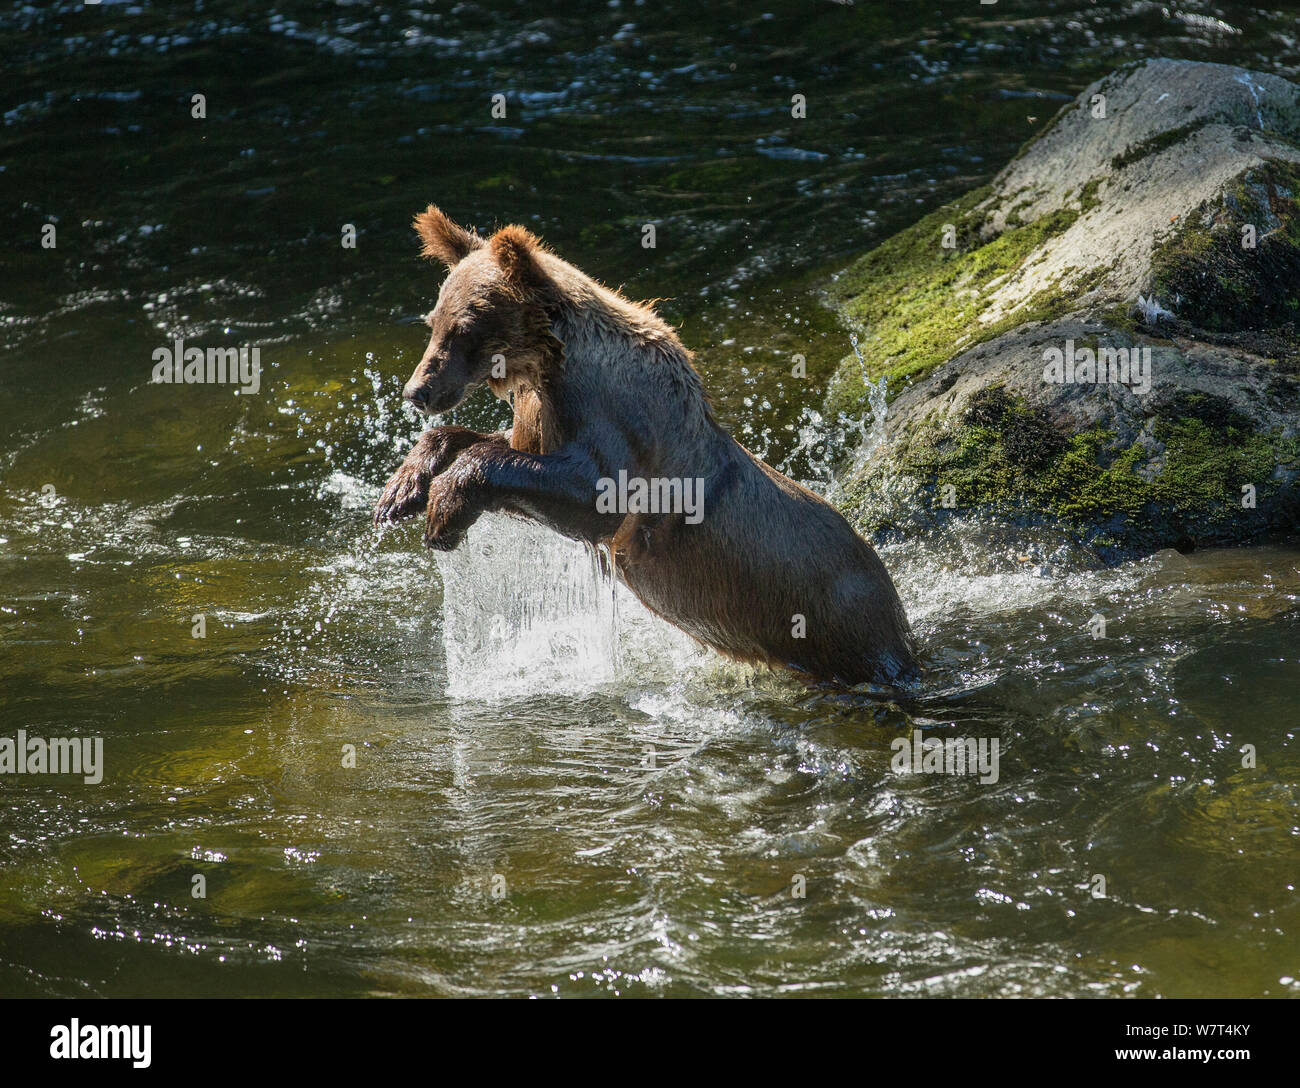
x,y
617,352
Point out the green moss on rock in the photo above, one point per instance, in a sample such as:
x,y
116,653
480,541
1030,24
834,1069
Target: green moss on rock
x,y
921,302
1005,457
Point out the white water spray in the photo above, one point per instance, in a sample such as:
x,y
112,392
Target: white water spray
x,y
527,611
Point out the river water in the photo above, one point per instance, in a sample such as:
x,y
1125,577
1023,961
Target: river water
x,y
553,793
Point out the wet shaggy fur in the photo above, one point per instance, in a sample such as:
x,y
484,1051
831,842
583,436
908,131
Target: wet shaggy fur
x,y
599,384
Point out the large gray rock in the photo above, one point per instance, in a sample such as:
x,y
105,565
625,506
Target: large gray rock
x,y
1156,219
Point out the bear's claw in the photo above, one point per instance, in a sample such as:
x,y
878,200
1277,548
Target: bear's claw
x,y
404,496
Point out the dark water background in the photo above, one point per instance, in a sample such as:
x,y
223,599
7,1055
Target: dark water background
x,y
647,807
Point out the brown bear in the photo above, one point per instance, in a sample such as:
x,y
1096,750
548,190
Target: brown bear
x,y
614,443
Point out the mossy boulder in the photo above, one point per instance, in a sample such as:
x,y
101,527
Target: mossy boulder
x,y
1105,340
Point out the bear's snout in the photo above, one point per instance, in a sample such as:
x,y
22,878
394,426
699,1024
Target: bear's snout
x,y
429,402
417,394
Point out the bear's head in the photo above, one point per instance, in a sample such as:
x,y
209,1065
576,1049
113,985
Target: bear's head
x,y
492,322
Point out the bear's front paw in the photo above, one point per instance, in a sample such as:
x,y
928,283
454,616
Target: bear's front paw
x,y
452,510
404,496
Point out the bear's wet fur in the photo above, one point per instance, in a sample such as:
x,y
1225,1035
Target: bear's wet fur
x,y
770,574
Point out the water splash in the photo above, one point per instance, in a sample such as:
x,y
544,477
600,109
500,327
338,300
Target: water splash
x,y
872,432
527,611
817,459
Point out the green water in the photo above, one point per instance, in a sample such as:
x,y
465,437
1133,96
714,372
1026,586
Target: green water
x,y
552,792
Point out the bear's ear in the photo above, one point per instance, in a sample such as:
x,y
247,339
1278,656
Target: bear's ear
x,y
443,239
515,251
